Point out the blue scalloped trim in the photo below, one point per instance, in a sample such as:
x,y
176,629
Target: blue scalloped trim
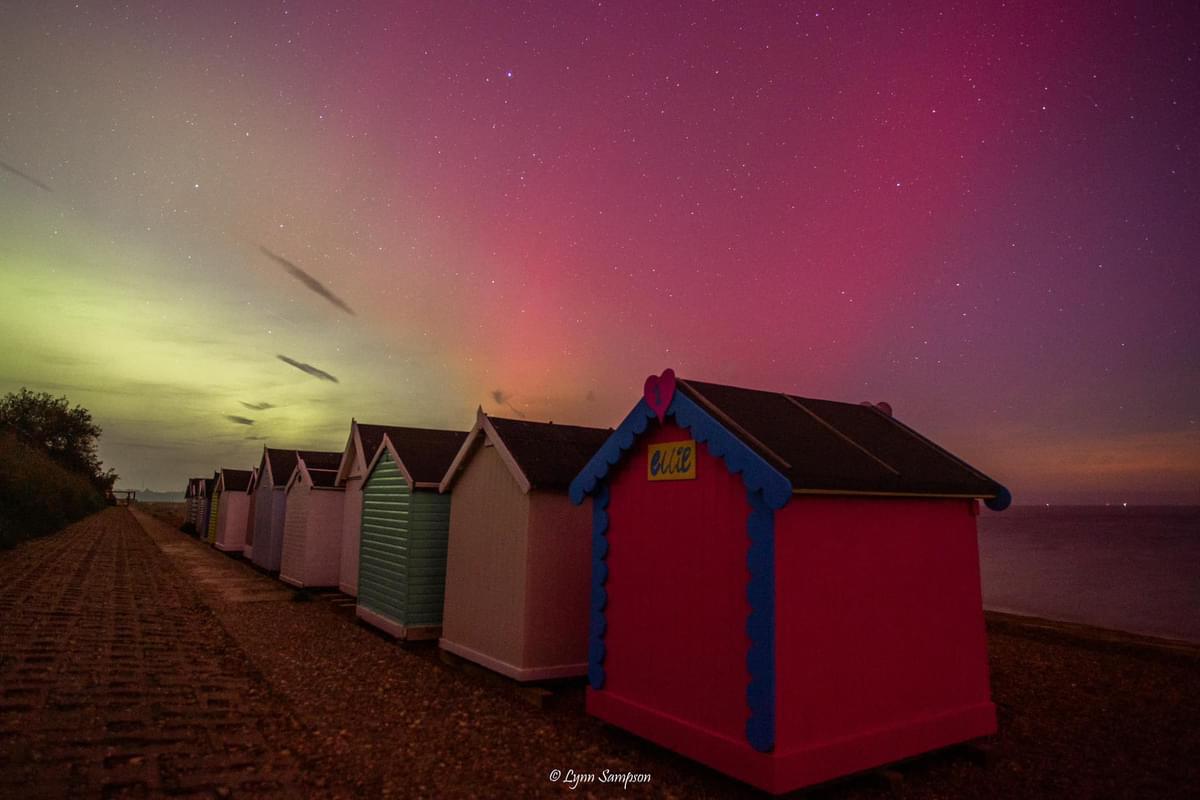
x,y
756,473
760,626
597,624
767,490
1001,501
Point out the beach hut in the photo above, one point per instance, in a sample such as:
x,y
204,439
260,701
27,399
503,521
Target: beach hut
x,y
252,494
312,529
233,512
191,498
204,506
270,500
361,447
405,523
519,560
785,589
209,534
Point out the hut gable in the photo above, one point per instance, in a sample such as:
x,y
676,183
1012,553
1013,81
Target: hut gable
x,y
316,477
540,455
789,444
361,447
422,455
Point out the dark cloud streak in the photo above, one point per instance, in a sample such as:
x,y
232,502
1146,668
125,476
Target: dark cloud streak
x,y
24,176
239,420
308,369
309,281
257,406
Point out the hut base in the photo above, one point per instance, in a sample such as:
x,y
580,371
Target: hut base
x,y
778,772
511,670
408,633
248,552
225,548
348,589
300,584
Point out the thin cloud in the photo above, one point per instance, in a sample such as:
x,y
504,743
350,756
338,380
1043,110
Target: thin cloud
x,y
255,438
257,406
24,176
308,369
309,281
239,420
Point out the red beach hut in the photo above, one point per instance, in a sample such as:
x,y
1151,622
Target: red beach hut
x,y
783,588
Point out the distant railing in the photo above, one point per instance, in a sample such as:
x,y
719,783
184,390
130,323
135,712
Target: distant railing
x,y
121,497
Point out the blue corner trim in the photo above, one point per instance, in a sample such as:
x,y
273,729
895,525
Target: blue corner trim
x,y
597,623
1001,501
767,490
760,626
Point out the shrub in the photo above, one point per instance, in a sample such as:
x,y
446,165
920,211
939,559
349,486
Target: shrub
x,y
37,495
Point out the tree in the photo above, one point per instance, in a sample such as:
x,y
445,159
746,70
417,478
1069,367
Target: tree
x,y
68,435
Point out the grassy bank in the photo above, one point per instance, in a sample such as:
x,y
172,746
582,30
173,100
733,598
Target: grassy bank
x,y
37,496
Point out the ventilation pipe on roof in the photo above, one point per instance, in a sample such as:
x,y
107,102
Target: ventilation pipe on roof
x,y
882,405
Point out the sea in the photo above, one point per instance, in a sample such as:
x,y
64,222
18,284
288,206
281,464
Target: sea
x,y
1129,568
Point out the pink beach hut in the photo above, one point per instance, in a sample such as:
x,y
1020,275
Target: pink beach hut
x,y
312,530
270,499
233,513
519,558
783,588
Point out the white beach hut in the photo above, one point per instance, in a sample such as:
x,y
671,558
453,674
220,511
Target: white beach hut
x,y
312,530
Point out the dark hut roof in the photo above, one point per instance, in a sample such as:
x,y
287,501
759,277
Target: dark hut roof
x,y
236,480
283,463
323,477
319,459
823,445
550,455
209,483
426,453
371,437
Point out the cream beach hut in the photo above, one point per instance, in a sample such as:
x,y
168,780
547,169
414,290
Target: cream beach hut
x,y
518,570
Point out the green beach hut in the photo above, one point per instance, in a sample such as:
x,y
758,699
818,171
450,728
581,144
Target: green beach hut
x,y
404,532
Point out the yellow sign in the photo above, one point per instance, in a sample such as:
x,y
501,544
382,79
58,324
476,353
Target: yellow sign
x,y
672,461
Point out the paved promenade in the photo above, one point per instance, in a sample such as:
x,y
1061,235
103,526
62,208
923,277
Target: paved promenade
x,y
137,662
116,680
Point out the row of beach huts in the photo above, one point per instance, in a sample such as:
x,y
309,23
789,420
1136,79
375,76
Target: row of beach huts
x,y
783,588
